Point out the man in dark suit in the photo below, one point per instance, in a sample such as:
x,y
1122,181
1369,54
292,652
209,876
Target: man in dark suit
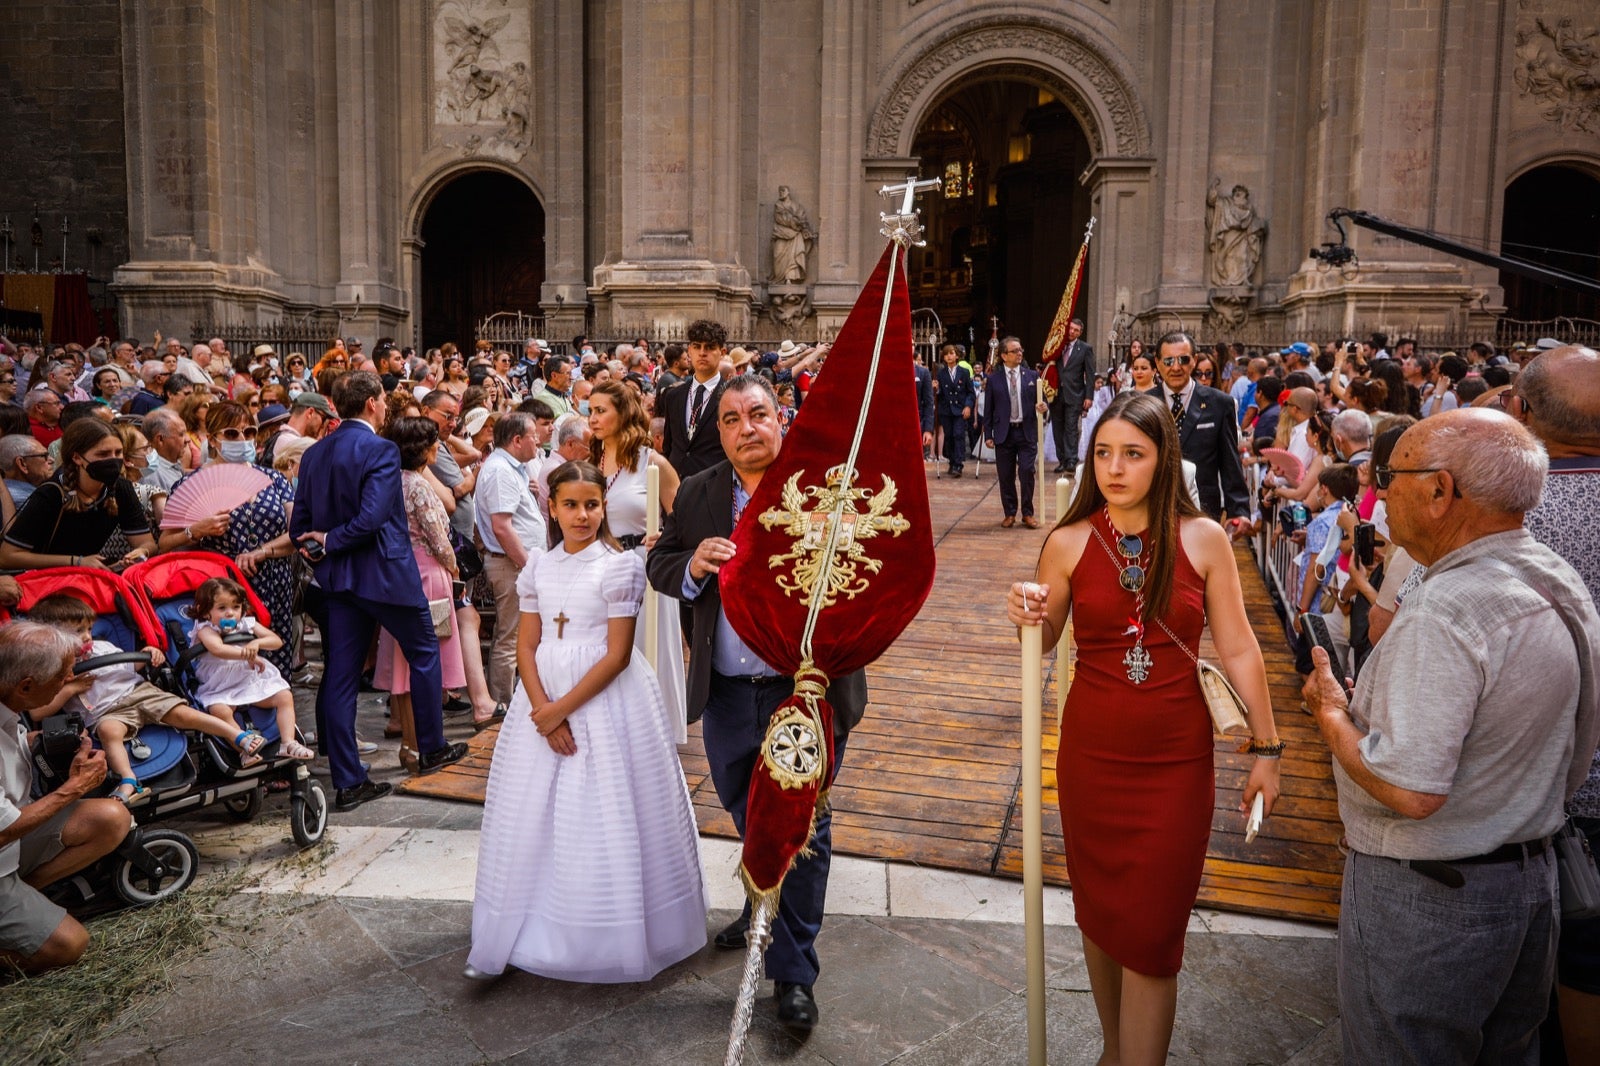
x,y
956,401
1011,430
924,405
688,439
1208,429
732,692
347,502
1074,393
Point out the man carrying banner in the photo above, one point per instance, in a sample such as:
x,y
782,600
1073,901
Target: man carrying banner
x,y
733,692
1074,392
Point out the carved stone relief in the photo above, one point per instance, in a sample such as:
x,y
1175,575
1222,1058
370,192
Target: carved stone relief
x,y
1558,61
1129,134
483,86
792,240
1235,232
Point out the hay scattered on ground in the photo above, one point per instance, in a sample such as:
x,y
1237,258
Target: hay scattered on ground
x,y
132,959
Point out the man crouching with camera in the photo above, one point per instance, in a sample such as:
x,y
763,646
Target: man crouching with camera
x,y
44,840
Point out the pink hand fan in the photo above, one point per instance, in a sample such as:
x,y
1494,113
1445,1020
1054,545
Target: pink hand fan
x,y
1287,464
213,490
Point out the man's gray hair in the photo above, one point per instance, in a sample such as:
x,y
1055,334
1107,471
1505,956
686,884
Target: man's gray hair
x,y
161,422
36,397
751,383
1495,461
1551,404
14,446
1354,426
569,427
151,369
32,649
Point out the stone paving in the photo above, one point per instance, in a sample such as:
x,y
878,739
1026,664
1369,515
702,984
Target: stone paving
x,y
352,953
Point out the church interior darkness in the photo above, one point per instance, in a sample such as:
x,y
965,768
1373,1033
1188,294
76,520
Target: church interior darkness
x,y
1552,217
483,252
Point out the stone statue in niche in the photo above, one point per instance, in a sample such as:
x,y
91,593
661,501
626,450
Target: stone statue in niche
x,y
1235,236
792,240
1558,65
789,307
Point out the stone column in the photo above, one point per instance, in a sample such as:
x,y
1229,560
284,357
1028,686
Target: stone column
x,y
558,51
1120,255
679,171
1185,158
842,245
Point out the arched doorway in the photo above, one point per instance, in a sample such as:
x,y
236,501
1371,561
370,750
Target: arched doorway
x,y
483,251
1003,233
1552,217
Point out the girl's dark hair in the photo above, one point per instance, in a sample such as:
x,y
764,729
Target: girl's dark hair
x,y
580,472
633,428
1370,393
205,597
414,436
82,436
62,609
1341,480
1399,398
1168,502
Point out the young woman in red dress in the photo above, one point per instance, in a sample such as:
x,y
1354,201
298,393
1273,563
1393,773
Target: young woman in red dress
x,y
1140,569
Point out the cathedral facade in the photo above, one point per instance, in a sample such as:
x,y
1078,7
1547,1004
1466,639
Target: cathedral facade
x,y
411,167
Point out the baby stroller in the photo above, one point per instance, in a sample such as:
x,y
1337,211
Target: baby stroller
x,y
150,864
165,586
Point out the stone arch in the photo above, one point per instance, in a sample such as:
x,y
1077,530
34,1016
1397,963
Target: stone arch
x,y
434,181
1045,52
1586,162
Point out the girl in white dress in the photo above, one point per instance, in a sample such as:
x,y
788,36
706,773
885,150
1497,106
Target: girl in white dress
x,y
619,436
588,862
234,675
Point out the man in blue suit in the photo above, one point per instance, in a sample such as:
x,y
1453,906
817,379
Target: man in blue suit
x,y
1010,428
348,503
956,401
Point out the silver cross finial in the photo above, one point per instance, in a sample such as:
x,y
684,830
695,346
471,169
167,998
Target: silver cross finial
x,y
903,227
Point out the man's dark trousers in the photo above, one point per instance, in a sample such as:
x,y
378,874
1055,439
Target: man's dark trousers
x,y
733,726
1066,416
1014,457
351,622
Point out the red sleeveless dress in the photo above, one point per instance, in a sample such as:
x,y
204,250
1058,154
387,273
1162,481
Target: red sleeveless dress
x,y
1134,771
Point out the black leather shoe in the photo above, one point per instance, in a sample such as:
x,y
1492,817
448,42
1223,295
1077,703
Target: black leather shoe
x,y
1061,468
348,799
434,760
797,1009
732,937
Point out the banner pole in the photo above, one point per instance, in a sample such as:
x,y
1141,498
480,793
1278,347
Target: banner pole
x,y
1038,461
1033,834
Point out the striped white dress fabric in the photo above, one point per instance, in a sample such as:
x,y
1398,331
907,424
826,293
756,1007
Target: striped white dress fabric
x,y
588,865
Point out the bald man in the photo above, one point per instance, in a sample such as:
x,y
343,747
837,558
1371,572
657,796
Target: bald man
x,y
1474,721
1302,404
1557,396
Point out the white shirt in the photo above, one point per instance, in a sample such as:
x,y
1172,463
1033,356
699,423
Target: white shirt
x,y
163,474
1187,394
705,389
1300,445
16,782
503,489
190,370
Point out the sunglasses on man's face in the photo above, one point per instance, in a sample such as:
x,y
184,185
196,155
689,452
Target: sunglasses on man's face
x,y
1176,360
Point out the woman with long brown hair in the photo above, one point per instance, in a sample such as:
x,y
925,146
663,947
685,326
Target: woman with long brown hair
x,y
194,410
68,519
1142,572
619,445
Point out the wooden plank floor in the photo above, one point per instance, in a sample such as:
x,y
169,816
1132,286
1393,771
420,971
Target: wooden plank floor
x,y
932,774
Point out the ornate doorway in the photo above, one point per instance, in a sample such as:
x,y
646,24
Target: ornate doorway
x,y
483,251
1552,217
1002,235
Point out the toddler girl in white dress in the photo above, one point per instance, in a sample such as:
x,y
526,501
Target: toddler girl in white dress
x,y
234,675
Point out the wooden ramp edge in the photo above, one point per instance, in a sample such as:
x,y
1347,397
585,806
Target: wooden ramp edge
x,y
932,774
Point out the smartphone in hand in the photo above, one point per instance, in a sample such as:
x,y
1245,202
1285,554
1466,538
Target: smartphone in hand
x,y
1315,628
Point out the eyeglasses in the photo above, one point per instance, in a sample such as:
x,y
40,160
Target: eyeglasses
x,y
35,455
1176,360
235,434
1204,375
1383,476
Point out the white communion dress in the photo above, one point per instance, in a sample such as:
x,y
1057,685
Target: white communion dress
x,y
588,864
625,514
233,682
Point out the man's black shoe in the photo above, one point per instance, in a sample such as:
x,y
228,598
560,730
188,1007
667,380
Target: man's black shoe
x,y
797,1009
434,760
348,799
732,937
1061,468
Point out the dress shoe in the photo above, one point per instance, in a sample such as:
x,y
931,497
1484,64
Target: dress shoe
x,y
472,973
455,705
1030,521
434,760
731,938
348,799
1008,521
797,1008
1061,468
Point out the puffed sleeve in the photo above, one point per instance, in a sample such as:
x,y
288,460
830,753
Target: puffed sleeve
x,y
622,585
528,586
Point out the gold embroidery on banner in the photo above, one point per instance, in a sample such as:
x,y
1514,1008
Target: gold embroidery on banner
x,y
812,529
793,749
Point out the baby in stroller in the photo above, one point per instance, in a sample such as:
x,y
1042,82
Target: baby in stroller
x,y
115,701
233,674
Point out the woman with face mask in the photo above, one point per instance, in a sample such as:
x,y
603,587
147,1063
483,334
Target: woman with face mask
x,y
68,519
255,534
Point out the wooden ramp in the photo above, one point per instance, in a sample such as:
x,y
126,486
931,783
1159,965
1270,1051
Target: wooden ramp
x,y
932,774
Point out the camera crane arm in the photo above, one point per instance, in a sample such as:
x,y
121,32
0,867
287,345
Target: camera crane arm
x,y
1339,254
